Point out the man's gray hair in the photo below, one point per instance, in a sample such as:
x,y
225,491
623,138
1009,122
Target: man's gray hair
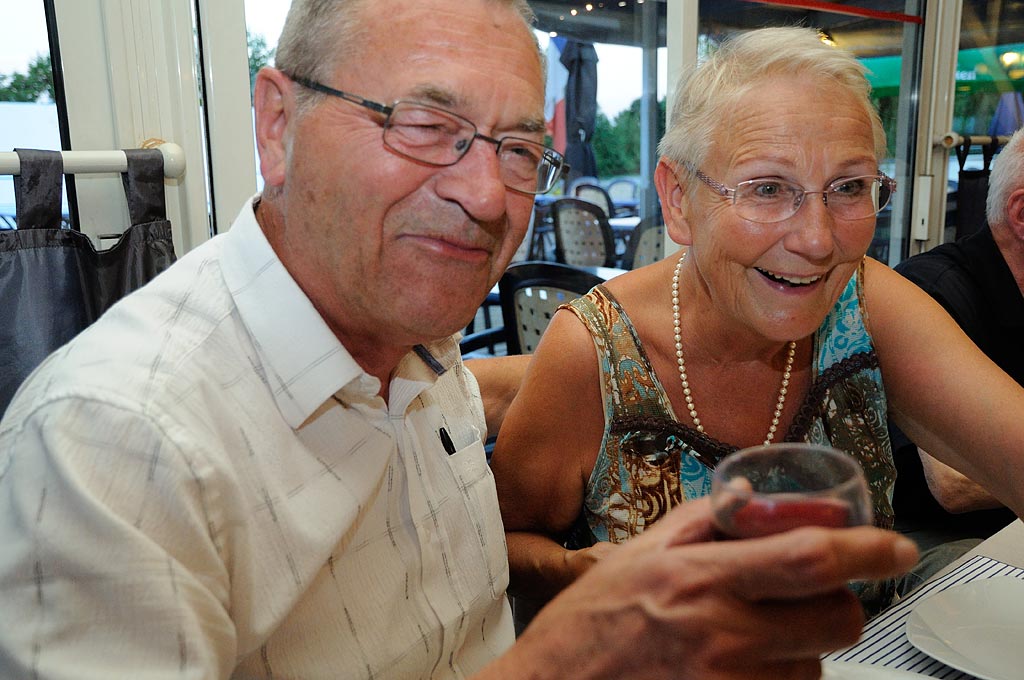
x,y
706,95
319,35
1007,176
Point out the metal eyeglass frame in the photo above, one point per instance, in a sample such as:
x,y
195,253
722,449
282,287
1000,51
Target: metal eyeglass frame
x,y
550,155
730,192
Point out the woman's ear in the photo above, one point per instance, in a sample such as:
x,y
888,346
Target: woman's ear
x,y
274,103
675,207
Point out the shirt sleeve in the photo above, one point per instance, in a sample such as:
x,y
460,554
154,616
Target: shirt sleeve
x,y
109,562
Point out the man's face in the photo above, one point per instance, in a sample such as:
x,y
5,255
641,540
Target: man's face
x,y
387,248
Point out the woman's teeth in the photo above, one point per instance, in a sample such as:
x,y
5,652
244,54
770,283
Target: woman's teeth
x,y
789,280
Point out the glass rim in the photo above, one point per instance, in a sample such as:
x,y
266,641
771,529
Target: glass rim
x,y
845,461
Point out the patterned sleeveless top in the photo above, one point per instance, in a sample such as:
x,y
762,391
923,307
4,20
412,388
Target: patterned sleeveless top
x,y
649,462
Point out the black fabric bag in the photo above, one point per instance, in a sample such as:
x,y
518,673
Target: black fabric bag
x,y
53,282
972,190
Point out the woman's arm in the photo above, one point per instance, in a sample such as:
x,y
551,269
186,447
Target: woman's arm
x,y
499,379
948,397
544,455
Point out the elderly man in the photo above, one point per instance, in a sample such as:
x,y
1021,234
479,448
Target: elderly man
x,y
268,463
979,280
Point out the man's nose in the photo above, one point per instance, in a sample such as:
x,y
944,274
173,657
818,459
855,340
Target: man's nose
x,y
476,182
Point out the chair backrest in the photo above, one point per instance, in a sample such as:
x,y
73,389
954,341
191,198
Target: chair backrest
x,y
596,195
622,189
570,188
646,244
583,237
531,292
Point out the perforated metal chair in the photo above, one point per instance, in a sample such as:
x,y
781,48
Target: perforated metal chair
x,y
623,189
531,292
646,244
621,220
583,237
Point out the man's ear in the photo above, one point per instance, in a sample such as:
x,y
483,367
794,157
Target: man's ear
x,y
274,102
675,206
1015,214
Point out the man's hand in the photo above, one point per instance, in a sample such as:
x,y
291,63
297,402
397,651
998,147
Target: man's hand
x,y
675,603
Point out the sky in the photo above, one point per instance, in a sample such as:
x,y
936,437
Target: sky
x,y
23,37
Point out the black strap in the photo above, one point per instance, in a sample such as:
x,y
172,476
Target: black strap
x,y
144,185
37,189
989,150
962,150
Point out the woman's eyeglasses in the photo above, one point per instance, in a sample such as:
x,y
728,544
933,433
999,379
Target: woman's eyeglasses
x,y
774,200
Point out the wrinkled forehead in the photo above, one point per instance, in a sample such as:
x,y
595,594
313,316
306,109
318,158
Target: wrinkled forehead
x,y
802,111
475,54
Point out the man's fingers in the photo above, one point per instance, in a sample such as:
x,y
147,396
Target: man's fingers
x,y
812,560
792,564
813,626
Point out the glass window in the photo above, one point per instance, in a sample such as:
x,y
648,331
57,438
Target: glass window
x,y
988,102
28,112
608,116
264,20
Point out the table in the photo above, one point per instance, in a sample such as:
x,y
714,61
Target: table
x,y
884,642
604,272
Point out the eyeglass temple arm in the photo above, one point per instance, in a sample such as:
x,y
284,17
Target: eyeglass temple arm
x,y
715,185
319,87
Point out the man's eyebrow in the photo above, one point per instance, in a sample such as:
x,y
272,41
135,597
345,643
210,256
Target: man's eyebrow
x,y
449,100
436,95
532,125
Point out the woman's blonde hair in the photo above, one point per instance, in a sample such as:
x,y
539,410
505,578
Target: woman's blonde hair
x,y
707,94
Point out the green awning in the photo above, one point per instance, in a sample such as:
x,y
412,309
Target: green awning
x,y
977,70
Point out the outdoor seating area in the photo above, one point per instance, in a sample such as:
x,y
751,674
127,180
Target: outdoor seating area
x,y
585,211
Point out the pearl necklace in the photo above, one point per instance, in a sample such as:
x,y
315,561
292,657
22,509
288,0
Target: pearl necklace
x,y
685,382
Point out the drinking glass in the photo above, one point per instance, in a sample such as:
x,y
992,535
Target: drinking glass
x,y
768,489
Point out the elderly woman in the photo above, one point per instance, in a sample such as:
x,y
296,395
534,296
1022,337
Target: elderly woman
x,y
769,325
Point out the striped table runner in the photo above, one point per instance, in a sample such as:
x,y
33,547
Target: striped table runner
x,y
884,641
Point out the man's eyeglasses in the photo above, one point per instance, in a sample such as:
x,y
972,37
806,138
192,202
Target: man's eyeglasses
x,y
437,137
774,200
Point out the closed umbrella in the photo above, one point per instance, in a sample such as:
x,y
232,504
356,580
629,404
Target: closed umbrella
x,y
580,60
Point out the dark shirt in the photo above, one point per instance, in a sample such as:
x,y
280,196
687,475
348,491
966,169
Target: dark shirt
x,y
972,281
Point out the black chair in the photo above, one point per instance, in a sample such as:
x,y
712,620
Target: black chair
x,y
530,292
621,220
583,237
646,244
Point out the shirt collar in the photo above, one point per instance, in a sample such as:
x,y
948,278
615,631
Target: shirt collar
x,y
304,362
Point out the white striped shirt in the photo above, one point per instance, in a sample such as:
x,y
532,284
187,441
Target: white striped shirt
x,y
205,484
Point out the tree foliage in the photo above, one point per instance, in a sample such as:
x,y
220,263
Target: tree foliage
x,y
617,142
259,56
33,86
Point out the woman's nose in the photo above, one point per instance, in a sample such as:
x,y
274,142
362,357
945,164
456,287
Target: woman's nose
x,y
812,231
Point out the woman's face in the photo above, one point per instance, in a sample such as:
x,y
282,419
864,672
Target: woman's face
x,y
779,280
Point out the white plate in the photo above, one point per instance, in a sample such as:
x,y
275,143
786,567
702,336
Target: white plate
x,y
977,628
840,670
